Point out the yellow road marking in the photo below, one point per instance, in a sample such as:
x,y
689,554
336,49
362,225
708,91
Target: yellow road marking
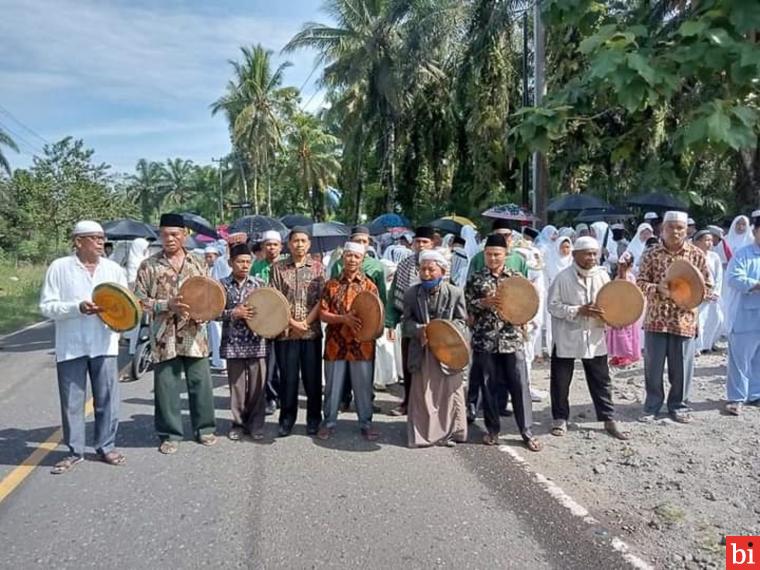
x,y
17,476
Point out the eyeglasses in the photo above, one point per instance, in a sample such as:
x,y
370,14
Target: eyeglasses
x,y
94,237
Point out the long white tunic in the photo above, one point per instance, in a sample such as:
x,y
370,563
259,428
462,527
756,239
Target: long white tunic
x,y
711,310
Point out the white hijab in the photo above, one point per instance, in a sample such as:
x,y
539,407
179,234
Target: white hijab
x,y
138,252
470,237
735,240
636,247
555,262
546,239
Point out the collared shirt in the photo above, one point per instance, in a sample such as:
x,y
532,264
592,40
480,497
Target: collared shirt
x,y
302,287
157,282
372,268
67,284
239,341
575,336
489,332
663,315
337,298
262,268
742,275
514,261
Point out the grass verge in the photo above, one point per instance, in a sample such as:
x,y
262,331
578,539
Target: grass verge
x,y
19,295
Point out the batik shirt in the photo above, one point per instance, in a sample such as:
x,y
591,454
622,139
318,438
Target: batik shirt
x,y
337,298
489,332
302,287
171,335
663,315
238,340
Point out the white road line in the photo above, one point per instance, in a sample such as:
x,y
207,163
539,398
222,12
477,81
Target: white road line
x,y
576,509
26,328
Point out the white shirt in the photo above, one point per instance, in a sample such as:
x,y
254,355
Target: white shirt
x,y
67,284
575,336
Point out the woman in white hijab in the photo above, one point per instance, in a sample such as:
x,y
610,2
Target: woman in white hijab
x,y
639,244
739,234
470,236
560,258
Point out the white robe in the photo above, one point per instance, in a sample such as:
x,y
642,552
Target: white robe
x,y
711,311
553,266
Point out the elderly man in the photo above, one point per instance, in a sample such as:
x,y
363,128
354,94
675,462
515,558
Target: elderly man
x,y
579,333
512,261
371,267
498,347
84,345
342,351
669,330
179,343
301,279
743,278
437,411
271,245
407,273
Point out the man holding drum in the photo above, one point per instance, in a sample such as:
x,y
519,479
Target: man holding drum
x,y
498,346
669,328
245,351
180,344
301,279
84,345
579,333
343,352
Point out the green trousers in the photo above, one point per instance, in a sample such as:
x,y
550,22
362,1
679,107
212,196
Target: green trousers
x,y
168,387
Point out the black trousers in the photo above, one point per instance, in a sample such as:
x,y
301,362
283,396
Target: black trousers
x,y
304,357
405,369
273,377
475,381
510,371
598,380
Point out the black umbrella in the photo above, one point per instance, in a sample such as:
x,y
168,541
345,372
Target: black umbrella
x,y
125,229
254,226
293,220
658,201
385,222
446,226
576,203
199,225
611,214
326,236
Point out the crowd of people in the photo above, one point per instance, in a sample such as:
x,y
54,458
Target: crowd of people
x,y
418,277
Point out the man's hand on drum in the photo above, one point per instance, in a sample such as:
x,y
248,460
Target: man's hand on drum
x,y
177,306
89,308
352,321
243,312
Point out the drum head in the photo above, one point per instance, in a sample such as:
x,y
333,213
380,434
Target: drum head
x,y
369,309
519,300
686,284
272,312
121,309
448,344
205,297
622,303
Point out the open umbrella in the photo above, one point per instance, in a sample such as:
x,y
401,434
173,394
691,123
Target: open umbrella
x,y
611,214
509,212
460,220
199,225
576,203
449,225
293,220
254,226
658,201
326,236
126,229
385,222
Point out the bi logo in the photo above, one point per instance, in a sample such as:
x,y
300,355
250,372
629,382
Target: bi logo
x,y
742,552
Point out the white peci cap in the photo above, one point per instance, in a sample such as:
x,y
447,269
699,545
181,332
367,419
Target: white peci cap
x,y
676,216
86,227
271,235
585,243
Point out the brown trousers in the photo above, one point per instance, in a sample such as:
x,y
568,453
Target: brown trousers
x,y
247,377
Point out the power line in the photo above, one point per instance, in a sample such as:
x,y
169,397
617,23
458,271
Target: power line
x,y
21,141
31,131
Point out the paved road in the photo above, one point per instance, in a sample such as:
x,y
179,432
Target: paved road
x,y
287,503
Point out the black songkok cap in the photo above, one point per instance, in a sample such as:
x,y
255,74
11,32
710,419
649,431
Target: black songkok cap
x,y
532,233
458,240
172,221
496,240
239,249
500,224
299,230
425,232
359,230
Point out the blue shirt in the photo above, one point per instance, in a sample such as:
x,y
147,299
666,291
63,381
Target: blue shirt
x,y
743,274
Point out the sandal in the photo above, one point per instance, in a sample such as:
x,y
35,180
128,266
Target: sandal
x,y
258,436
207,439
235,434
533,444
112,458
168,447
324,433
66,464
559,429
734,408
491,439
371,434
400,411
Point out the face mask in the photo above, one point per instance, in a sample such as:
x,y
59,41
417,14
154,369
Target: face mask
x,y
432,284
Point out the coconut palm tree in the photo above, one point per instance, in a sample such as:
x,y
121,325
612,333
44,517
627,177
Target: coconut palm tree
x,y
145,186
6,140
255,105
177,180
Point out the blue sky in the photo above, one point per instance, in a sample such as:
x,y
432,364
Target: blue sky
x,y
134,78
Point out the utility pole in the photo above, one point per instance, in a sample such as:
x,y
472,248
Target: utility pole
x,y
221,190
540,169
526,103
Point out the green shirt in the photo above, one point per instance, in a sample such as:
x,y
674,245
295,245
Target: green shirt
x,y
514,261
372,268
261,269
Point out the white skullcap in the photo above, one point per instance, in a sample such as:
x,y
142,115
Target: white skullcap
x,y
651,216
617,227
755,214
715,230
211,249
676,216
584,243
435,257
87,227
271,235
354,248
691,222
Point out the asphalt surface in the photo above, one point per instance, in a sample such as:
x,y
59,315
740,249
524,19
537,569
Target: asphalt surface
x,y
285,503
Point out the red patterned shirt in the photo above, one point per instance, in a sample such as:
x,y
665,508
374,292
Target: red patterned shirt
x,y
663,315
337,298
